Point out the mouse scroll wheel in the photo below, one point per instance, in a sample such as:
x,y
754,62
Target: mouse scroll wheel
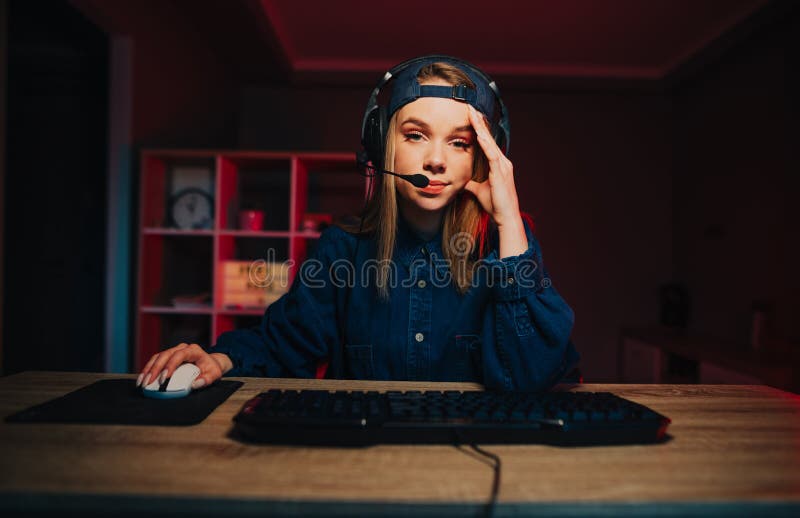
x,y
163,386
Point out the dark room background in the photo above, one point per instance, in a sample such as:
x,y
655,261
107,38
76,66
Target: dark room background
x,y
632,184
54,239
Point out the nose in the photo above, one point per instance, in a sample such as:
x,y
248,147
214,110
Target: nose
x,y
434,159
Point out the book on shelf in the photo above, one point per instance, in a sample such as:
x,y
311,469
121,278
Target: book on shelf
x,y
253,284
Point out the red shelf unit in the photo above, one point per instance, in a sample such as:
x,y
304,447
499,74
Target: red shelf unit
x,y
173,262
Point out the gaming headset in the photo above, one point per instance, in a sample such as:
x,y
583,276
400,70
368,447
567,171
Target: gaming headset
x,y
406,88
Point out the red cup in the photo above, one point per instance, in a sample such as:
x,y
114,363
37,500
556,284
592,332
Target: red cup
x,y
251,219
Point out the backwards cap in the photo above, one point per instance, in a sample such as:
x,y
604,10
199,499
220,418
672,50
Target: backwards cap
x,y
406,88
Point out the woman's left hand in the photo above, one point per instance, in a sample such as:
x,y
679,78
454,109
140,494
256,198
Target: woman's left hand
x,y
497,195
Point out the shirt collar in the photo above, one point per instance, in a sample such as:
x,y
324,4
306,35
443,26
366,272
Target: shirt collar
x,y
409,246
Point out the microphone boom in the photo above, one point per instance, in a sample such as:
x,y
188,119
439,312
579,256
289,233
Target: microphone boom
x,y
417,180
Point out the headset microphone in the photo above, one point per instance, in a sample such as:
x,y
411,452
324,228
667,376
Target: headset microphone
x,y
417,180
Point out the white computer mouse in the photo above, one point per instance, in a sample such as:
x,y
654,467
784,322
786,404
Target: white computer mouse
x,y
177,385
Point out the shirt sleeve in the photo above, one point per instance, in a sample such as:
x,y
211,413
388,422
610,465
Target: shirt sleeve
x,y
527,324
297,331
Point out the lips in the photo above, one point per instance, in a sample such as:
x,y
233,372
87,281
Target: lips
x,y
434,187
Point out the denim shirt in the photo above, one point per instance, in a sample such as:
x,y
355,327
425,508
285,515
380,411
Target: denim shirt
x,y
509,331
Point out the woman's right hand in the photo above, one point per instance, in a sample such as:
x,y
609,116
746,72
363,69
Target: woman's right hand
x,y
163,364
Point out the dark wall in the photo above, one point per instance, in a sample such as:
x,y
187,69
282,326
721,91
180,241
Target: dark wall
x,y
736,185
594,170
324,118
183,93
54,246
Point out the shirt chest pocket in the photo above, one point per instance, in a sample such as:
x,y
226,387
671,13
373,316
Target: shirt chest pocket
x,y
360,362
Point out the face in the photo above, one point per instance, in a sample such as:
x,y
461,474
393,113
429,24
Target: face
x,y
434,137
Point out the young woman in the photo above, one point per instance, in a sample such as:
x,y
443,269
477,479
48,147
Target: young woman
x,y
443,282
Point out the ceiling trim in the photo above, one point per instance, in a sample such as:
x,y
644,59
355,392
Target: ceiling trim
x,y
519,74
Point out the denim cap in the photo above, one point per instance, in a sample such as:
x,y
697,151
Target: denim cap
x,y
406,88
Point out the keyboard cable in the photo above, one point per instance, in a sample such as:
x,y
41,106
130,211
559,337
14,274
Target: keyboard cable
x,y
496,465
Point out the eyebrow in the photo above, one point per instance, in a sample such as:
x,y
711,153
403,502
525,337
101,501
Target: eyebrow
x,y
425,125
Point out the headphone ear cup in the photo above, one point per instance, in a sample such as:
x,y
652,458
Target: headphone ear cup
x,y
374,139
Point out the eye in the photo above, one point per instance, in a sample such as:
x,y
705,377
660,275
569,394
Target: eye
x,y
413,136
463,144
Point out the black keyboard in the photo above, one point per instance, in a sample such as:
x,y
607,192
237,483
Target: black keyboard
x,y
319,417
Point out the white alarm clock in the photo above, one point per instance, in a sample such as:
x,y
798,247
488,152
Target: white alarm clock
x,y
192,209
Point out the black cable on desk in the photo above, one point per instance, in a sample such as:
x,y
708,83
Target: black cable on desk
x,y
496,466
496,483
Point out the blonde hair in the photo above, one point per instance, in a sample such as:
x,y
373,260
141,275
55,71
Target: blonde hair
x,y
464,218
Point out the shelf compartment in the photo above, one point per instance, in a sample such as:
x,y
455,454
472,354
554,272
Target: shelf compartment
x,y
164,176
174,266
327,185
254,183
251,273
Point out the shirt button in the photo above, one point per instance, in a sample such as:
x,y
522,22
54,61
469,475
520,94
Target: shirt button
x,y
422,284
419,337
511,280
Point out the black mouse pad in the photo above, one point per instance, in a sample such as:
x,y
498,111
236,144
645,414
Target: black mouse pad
x,y
119,401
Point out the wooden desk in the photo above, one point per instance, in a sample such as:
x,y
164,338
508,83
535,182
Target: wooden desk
x,y
733,449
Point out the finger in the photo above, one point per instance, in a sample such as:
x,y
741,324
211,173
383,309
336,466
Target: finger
x,y
471,186
477,121
478,116
504,167
481,191
156,373
476,188
157,369
149,373
177,359
143,375
192,354
485,138
209,371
